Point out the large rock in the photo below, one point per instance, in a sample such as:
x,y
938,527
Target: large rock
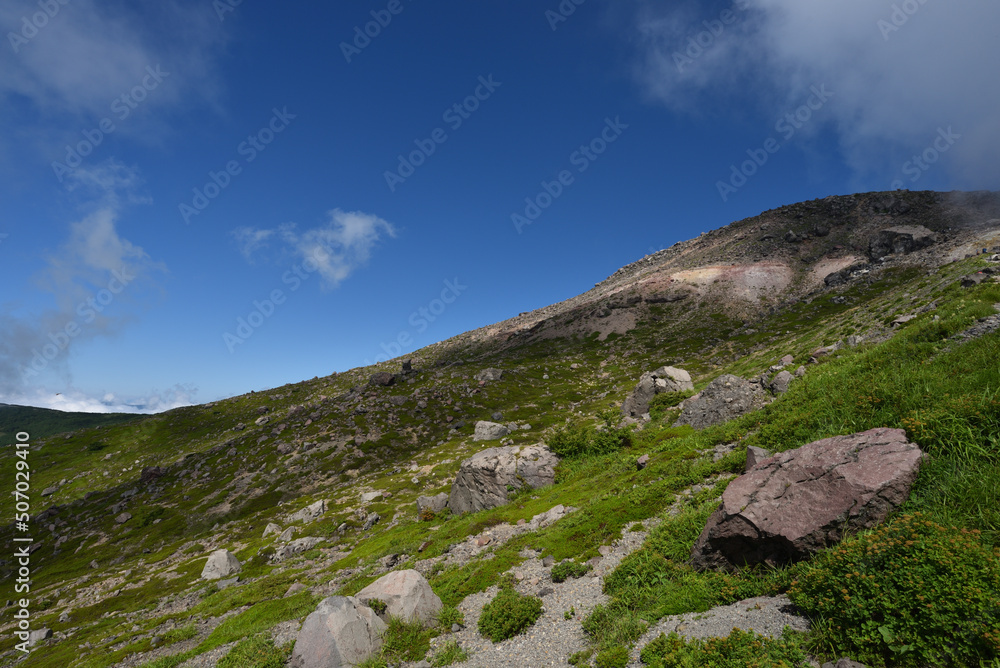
x,y
434,504
651,383
341,632
489,431
798,502
309,513
900,240
406,595
220,564
295,547
725,398
483,479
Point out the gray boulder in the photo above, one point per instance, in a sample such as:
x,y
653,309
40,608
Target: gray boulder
x,y
781,381
434,504
755,456
489,375
651,383
489,431
309,513
220,564
38,635
295,547
483,479
798,502
725,398
900,240
407,595
341,632
271,528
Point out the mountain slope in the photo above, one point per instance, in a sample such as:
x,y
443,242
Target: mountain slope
x,y
44,422
732,301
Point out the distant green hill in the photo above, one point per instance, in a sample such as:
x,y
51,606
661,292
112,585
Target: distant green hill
x,y
44,422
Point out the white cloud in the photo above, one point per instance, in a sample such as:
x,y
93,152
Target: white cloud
x,y
340,247
893,88
77,401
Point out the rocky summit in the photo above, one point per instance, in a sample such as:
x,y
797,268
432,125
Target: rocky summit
x,y
790,421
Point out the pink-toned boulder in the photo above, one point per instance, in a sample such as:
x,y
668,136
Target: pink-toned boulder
x,y
798,502
407,595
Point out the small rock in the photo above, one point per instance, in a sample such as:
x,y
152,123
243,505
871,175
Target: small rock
x,y
642,462
49,491
271,528
455,628
605,550
548,561
545,591
756,455
123,518
287,535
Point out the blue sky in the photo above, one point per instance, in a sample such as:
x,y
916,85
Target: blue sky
x,y
204,198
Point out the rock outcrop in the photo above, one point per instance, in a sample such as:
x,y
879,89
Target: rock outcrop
x,y
651,383
341,632
900,240
490,431
406,595
308,513
725,398
798,502
220,564
432,504
483,479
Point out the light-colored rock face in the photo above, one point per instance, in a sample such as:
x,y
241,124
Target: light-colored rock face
x,y
296,547
341,632
798,502
490,431
407,595
220,564
434,504
725,398
663,380
781,381
270,529
482,479
308,513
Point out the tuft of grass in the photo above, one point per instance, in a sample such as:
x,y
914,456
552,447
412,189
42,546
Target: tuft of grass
x,y
256,652
508,614
449,654
569,569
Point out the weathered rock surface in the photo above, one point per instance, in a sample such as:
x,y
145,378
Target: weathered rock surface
x,y
755,456
341,632
651,383
800,501
308,513
434,504
297,546
271,528
490,431
220,564
725,398
781,381
489,375
900,240
483,478
406,595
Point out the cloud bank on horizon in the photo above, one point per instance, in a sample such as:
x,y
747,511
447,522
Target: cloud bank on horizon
x,y
899,72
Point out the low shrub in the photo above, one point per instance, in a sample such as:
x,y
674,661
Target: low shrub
x,y
508,614
378,605
449,616
911,592
580,441
616,657
569,569
738,650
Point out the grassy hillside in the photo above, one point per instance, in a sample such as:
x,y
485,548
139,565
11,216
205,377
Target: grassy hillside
x,y
43,422
223,477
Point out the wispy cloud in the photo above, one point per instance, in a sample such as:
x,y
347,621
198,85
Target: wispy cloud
x,y
78,401
894,86
91,277
338,248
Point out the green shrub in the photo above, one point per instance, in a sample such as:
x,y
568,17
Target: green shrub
x,y
508,614
911,592
448,616
259,652
739,650
581,658
568,569
662,403
450,653
579,441
378,605
405,641
616,657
